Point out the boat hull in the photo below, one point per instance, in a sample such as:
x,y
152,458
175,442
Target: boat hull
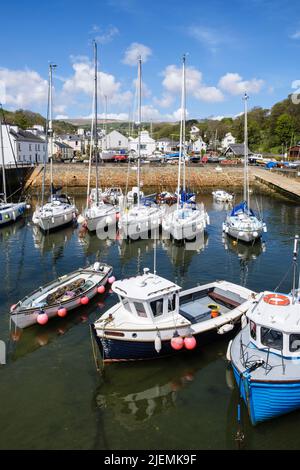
x,y
246,236
28,317
50,223
266,400
12,213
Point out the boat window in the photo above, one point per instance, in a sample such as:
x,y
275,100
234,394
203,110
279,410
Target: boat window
x,y
172,303
253,330
126,305
140,309
271,338
294,343
157,307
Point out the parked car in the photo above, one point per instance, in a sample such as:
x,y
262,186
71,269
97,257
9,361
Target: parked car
x,y
121,158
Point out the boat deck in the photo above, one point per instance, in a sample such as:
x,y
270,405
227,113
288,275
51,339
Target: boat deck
x,y
198,310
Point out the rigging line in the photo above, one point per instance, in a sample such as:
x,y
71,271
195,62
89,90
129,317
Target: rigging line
x,y
284,277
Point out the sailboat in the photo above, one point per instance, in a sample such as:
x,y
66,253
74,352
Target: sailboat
x,y
97,214
60,210
143,215
186,220
242,223
9,211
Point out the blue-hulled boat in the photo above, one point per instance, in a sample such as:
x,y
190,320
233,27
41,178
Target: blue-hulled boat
x,y
265,355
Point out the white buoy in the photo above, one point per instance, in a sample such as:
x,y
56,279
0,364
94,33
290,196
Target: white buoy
x,y
225,329
228,355
157,343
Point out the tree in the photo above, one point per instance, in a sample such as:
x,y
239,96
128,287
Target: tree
x,y
285,129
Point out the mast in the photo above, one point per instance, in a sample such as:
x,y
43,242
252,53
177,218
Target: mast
x,y
105,124
139,123
90,160
50,129
181,135
2,155
246,170
96,118
295,256
183,123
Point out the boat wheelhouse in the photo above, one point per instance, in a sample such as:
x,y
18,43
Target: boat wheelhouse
x,y
154,318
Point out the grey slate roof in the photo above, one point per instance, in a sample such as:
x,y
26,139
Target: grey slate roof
x,y
26,136
237,149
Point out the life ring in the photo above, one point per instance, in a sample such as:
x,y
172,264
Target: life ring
x,y
276,299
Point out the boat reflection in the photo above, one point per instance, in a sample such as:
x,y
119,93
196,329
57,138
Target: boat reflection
x,y
155,392
9,230
23,342
54,241
246,254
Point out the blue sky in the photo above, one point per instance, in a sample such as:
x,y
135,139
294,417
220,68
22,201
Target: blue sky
x,y
234,46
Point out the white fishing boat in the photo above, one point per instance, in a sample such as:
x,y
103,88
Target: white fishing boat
x,y
142,215
61,296
107,155
154,318
98,214
242,223
9,212
188,219
265,355
222,196
60,210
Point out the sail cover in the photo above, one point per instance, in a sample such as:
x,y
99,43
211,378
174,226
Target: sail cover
x,y
242,208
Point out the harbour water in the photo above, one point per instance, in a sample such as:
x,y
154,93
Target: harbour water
x,y
51,395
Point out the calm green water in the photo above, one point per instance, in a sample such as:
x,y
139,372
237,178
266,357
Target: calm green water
x,y
50,394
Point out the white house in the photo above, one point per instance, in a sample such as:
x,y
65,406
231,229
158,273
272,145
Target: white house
x,y
194,132
114,141
22,146
199,145
74,141
228,140
148,145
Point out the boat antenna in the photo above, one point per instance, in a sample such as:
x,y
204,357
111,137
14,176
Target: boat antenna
x,y
3,161
154,253
295,256
139,123
246,170
50,129
96,118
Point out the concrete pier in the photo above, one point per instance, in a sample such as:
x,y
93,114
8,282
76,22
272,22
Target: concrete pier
x,y
287,186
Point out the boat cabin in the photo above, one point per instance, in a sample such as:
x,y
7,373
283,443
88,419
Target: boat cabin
x,y
149,298
274,324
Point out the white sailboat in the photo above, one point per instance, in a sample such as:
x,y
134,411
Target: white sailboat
x,y
187,220
59,211
9,211
142,216
98,214
242,223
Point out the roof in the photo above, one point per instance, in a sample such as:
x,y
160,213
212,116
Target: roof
x,y
25,136
62,145
237,149
144,287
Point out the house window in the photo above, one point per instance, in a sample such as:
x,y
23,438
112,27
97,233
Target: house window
x,y
19,147
157,307
143,147
271,338
30,148
120,143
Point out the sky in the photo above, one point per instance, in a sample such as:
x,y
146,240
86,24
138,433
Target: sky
x,y
231,47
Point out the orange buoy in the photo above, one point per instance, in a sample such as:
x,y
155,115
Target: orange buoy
x,y
42,318
190,342
62,312
177,343
101,290
277,299
84,300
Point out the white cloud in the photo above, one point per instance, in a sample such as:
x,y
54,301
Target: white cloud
x,y
172,82
209,37
146,92
296,35
112,116
61,117
165,101
22,88
134,51
177,114
82,81
234,84
104,36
